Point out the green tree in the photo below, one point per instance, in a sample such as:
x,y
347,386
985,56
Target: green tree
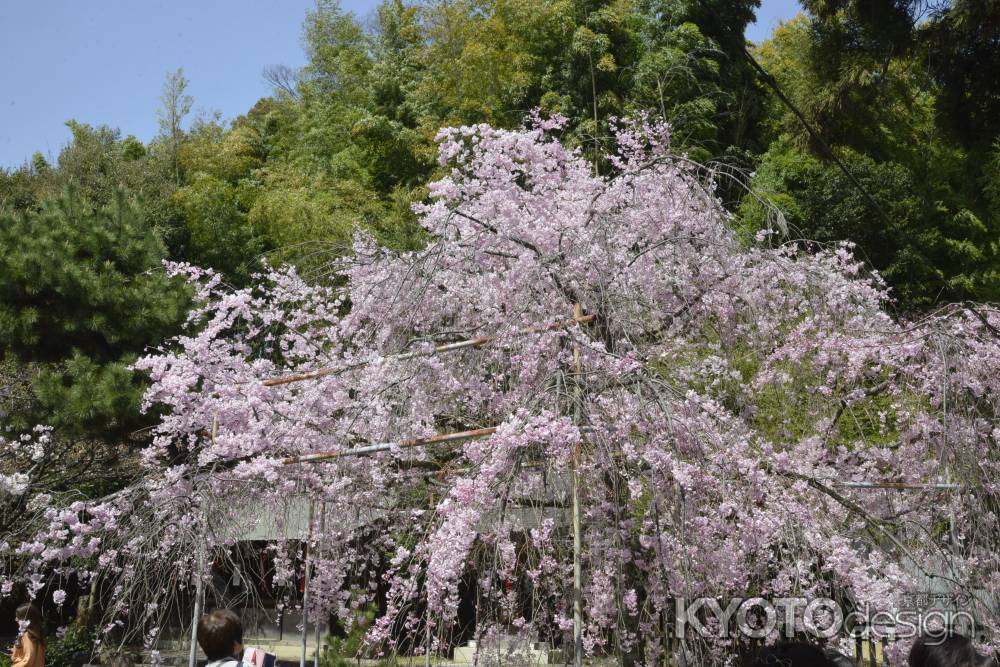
x,y
718,72
678,80
928,230
926,250
175,105
97,163
964,52
958,43
82,293
219,166
219,235
21,188
338,50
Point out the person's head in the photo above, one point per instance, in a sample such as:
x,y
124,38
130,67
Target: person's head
x,y
838,659
791,654
30,614
946,649
220,634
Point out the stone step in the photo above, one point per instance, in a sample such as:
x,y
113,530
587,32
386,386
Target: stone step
x,y
535,653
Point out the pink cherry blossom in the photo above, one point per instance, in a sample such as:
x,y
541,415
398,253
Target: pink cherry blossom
x,y
732,401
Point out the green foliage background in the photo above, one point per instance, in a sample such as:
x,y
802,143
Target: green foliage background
x,y
879,88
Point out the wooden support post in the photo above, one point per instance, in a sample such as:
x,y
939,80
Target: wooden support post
x,y
319,639
427,639
319,645
199,589
577,528
199,584
306,574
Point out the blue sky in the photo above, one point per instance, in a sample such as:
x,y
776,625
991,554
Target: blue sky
x,y
104,61
769,14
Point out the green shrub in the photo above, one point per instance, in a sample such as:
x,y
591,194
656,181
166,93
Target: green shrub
x,y
72,650
343,651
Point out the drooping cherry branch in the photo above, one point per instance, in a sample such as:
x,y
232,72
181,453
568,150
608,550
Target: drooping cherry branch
x,y
737,419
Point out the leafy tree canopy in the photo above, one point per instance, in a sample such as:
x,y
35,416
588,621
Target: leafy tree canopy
x,y
862,75
82,293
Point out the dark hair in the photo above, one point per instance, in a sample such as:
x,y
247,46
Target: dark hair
x,y
31,613
945,649
218,632
838,659
792,654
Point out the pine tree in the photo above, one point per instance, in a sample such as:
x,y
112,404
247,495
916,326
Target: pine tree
x,y
82,294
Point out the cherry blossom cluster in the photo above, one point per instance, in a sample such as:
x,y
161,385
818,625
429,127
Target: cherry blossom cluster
x,y
740,419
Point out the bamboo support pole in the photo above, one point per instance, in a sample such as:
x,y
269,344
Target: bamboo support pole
x,y
385,446
319,644
199,584
897,486
952,532
577,528
319,638
306,573
490,430
427,639
196,616
440,349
